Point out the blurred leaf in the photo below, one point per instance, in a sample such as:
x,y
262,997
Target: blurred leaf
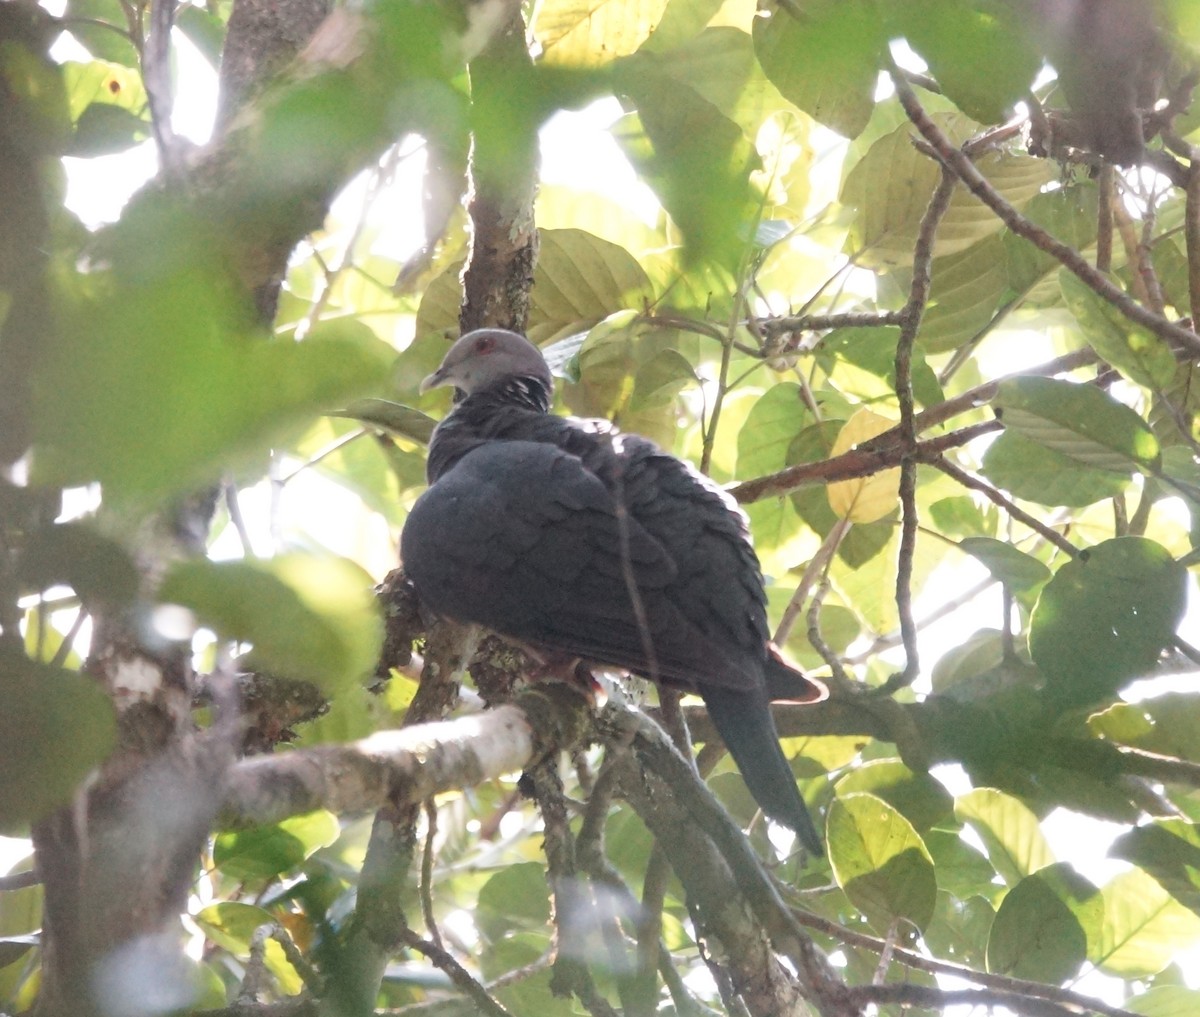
x,y
203,29
697,161
102,83
585,33
765,439
109,39
232,925
1169,850
1137,353
959,929
1165,1001
824,56
1038,933
394,418
961,869
962,516
1106,616
863,499
880,861
979,53
307,616
1067,213
55,726
1168,724
267,851
514,898
119,403
96,567
1144,928
1010,832
1027,469
103,130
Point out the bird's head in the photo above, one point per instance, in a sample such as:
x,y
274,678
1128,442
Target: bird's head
x,y
487,357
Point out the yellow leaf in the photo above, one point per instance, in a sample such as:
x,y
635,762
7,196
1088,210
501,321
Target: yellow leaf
x,y
863,499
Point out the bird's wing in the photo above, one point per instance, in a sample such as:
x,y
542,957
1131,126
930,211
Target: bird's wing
x,y
520,537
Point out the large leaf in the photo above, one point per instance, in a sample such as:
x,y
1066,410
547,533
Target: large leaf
x,y
921,799
156,386
891,185
824,56
1135,351
1010,565
55,726
1032,471
264,852
1041,930
979,53
1144,927
1010,832
1169,850
880,861
307,616
863,499
1079,421
1106,616
965,292
578,33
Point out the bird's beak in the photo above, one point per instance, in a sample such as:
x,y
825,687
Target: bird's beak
x,y
434,380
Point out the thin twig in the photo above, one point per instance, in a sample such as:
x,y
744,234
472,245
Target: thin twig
x,y
978,185
460,976
426,888
1104,219
824,322
819,564
913,311
999,498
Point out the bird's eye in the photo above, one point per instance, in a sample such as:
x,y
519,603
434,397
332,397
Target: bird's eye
x,y
485,344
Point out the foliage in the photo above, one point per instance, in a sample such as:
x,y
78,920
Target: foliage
x,y
1042,441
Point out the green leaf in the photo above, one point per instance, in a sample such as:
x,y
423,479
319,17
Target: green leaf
x,y
1038,933
880,861
1080,421
891,185
921,799
1165,1001
697,161
874,350
232,924
1106,616
1067,213
979,53
102,83
772,425
512,899
1011,566
55,726
1169,850
1137,353
583,33
964,295
1027,469
109,40
204,30
1168,724
307,616
267,851
824,56
961,869
1144,928
1009,831
96,567
394,418
960,927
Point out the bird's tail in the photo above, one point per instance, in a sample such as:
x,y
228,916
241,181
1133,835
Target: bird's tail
x,y
743,720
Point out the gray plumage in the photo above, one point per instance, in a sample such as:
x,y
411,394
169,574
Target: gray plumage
x,y
571,536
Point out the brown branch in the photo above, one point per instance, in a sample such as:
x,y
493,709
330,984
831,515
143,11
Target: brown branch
x,y
978,185
1104,218
460,976
1003,501
939,999
1003,983
913,311
405,766
823,322
1191,234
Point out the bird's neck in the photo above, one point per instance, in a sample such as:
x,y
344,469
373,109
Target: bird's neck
x,y
481,416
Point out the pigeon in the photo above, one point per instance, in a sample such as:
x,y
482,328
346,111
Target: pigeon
x,y
571,537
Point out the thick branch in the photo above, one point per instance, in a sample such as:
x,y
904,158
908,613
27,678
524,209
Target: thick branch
x,y
406,766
